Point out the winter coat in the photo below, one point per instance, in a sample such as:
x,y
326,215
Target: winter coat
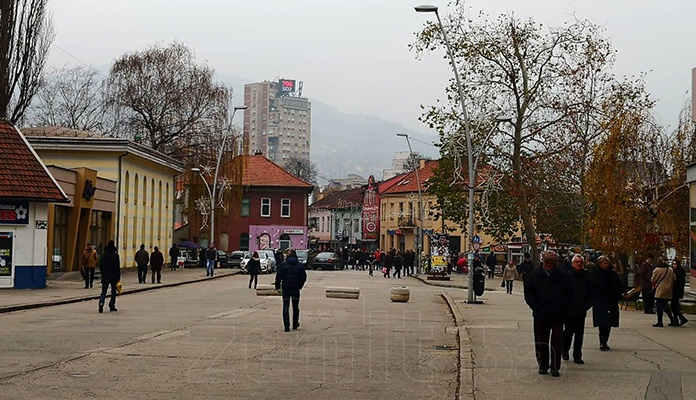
x,y
173,253
491,260
679,282
663,281
548,295
644,275
510,273
398,261
110,266
89,258
607,290
253,266
142,257
582,291
156,260
291,275
211,254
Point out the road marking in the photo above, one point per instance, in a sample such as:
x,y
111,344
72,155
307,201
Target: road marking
x,y
664,386
233,313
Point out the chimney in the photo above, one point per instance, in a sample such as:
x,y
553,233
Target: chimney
x,y
421,163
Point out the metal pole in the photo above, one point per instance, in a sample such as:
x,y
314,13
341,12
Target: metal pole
x,y
419,235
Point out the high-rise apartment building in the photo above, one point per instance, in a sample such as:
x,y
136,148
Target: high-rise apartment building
x,y
277,121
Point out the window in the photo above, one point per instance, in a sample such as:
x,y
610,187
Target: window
x,y
246,207
265,207
285,207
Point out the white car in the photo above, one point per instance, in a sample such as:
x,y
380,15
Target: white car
x,y
266,262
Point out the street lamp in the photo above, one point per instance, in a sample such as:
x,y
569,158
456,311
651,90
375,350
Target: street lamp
x,y
469,150
419,235
213,191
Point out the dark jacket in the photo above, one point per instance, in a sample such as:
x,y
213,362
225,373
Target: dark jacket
x,y
278,257
173,253
142,257
156,261
253,266
548,295
211,254
398,261
525,268
110,266
679,282
491,260
645,275
582,293
291,275
607,290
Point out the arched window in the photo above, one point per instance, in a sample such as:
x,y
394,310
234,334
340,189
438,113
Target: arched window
x,y
126,188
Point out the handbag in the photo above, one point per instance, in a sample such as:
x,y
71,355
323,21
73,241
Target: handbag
x,y
502,283
384,270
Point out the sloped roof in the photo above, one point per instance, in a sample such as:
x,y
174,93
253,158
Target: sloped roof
x,y
260,171
23,176
408,182
341,199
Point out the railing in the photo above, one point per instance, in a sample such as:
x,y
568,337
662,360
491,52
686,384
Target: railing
x,y
406,221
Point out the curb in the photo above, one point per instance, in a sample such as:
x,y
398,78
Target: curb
x,y
29,306
465,376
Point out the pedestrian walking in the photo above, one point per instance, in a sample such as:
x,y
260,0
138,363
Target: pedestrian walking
x,y
398,264
525,266
574,326
678,292
491,262
254,269
388,262
607,291
510,274
202,258
211,257
89,264
142,258
156,264
645,272
663,283
173,255
291,277
547,292
110,268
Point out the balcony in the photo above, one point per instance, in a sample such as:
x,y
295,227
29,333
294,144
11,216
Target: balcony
x,y
407,221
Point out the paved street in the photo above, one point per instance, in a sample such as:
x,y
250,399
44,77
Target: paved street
x,y
214,338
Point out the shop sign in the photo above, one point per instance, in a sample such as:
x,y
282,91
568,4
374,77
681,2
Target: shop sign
x,y
14,213
291,231
5,253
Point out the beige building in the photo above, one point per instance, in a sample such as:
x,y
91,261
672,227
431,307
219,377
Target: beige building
x,y
132,193
690,264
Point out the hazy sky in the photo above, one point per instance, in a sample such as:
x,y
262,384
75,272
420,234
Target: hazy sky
x,y
353,54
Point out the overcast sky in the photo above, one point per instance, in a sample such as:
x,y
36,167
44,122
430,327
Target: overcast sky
x,y
353,54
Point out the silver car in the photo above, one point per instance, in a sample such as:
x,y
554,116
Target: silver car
x,y
266,262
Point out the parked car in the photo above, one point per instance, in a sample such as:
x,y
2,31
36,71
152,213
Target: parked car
x,y
236,258
266,262
223,259
327,260
304,256
270,254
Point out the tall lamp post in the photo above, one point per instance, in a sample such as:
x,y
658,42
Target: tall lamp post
x,y
212,192
469,150
419,235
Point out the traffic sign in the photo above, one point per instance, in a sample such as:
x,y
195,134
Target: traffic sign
x,y
476,239
477,246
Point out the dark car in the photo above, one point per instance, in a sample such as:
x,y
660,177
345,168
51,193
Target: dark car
x,y
305,258
327,260
236,258
223,260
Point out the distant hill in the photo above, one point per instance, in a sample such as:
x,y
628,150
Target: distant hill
x,y
343,144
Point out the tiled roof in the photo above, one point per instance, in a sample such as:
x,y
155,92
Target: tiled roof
x,y
22,174
341,199
58,131
260,171
408,183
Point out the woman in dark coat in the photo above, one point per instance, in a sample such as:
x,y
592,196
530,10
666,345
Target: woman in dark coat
x,y
254,269
156,263
678,292
398,263
608,290
110,275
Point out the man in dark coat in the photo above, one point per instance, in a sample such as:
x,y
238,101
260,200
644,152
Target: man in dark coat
x,y
607,291
110,268
577,311
211,257
491,262
525,266
291,277
173,255
547,292
156,263
142,257
644,276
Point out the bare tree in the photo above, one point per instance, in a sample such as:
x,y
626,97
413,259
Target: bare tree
x,y
302,169
26,33
163,95
72,98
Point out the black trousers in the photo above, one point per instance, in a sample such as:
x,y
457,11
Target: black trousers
x,y
661,305
295,297
253,278
155,272
548,343
89,277
508,286
574,327
102,297
142,273
648,300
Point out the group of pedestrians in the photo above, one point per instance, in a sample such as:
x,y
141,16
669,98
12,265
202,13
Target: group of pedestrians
x,y
560,300
154,259
661,284
397,260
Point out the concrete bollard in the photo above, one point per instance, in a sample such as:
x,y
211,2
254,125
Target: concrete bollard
x,y
400,294
266,290
343,292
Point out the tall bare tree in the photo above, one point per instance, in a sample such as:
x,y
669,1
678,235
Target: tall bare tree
x,y
71,97
26,34
302,168
163,95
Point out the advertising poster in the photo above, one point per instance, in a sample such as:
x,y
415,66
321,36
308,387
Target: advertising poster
x,y
5,254
14,213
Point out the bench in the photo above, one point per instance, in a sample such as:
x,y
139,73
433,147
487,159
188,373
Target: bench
x,y
633,296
